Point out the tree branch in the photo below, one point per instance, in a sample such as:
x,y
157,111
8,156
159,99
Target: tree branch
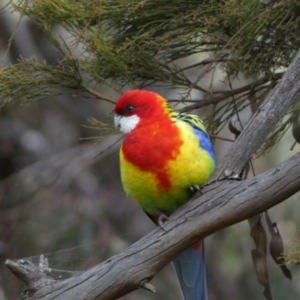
x,y
262,122
223,203
227,94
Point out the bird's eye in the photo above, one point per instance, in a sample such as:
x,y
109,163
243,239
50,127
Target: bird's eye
x,y
129,109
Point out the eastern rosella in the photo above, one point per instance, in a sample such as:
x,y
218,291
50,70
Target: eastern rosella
x,y
164,156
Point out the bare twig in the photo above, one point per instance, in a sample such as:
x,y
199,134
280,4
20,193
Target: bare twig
x,y
227,94
98,95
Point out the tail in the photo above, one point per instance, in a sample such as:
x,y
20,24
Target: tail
x,y
190,270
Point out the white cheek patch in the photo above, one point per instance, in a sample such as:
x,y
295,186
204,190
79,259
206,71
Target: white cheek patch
x,y
127,124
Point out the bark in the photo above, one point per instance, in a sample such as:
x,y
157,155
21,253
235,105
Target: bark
x,y
263,121
223,203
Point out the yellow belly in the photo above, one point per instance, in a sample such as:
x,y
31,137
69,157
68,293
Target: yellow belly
x,y
192,166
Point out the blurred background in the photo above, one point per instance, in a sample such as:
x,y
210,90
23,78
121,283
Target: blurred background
x,y
61,195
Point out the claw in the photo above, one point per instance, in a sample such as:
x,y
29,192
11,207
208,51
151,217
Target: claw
x,y
147,286
162,219
233,176
195,189
228,175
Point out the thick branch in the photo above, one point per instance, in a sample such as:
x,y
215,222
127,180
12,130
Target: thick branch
x,y
223,203
263,121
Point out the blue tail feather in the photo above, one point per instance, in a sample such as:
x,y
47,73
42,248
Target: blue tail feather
x,y
190,270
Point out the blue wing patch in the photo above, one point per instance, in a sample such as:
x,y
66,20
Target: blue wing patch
x,y
197,125
205,142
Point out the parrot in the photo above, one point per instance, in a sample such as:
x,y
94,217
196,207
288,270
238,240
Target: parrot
x,y
165,158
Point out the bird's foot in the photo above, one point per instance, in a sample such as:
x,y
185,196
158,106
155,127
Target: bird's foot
x,y
162,219
232,175
226,176
195,189
147,286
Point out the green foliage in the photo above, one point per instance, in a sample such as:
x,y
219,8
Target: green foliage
x,y
141,43
142,40
103,129
30,79
259,36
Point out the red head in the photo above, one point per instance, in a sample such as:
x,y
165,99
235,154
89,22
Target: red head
x,y
136,105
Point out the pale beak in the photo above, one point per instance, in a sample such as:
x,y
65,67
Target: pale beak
x,y
117,119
